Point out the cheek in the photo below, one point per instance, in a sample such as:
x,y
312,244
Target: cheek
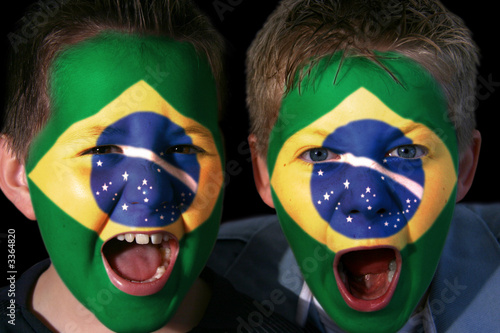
x,y
439,189
206,203
65,182
68,178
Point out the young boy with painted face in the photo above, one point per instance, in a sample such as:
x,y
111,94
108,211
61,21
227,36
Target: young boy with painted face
x,y
111,141
363,139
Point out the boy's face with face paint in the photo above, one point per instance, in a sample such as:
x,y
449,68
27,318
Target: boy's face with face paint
x,y
364,171
126,177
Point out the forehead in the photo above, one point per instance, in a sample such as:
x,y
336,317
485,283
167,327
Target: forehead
x,y
87,76
397,81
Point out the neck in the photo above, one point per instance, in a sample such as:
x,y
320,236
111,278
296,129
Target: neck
x,y
64,312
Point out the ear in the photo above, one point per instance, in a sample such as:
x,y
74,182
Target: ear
x,y
260,172
13,181
467,166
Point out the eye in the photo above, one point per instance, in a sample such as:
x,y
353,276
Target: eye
x,y
318,155
101,150
408,152
184,149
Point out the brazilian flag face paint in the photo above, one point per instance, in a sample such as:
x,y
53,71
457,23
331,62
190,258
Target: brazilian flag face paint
x,y
126,177
364,172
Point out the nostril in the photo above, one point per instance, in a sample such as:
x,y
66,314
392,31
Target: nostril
x,y
354,211
381,211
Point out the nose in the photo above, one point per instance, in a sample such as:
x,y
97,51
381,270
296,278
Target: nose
x,y
370,196
150,196
373,201
148,185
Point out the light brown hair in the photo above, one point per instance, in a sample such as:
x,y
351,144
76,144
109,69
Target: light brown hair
x,y
299,32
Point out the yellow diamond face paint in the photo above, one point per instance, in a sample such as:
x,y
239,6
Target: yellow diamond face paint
x,y
86,208
127,175
349,190
366,170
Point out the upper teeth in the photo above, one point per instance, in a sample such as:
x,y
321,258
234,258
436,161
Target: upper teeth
x,y
143,238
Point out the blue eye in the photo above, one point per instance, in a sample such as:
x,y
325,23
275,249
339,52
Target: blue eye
x,y
318,155
409,152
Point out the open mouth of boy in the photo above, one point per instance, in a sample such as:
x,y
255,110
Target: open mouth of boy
x,y
367,277
140,264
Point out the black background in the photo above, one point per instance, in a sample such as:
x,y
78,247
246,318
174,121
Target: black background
x,y
238,21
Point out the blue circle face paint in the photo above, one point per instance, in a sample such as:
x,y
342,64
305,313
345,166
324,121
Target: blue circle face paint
x,y
145,182
358,199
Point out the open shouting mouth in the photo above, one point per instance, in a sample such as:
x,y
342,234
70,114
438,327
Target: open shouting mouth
x,y
367,277
140,264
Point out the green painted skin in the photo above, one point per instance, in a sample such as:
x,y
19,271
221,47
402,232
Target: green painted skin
x,y
317,96
83,79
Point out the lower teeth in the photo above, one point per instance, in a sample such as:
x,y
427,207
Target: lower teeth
x,y
390,276
393,265
165,252
392,270
159,272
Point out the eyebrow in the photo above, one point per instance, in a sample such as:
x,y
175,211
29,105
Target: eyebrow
x,y
94,132
407,127
198,130
91,133
410,127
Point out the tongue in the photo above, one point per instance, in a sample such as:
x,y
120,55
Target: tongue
x,y
367,272
133,261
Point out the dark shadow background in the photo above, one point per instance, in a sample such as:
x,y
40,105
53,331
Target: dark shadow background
x,y
238,21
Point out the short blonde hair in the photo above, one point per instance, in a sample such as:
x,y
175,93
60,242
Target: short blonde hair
x,y
301,30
